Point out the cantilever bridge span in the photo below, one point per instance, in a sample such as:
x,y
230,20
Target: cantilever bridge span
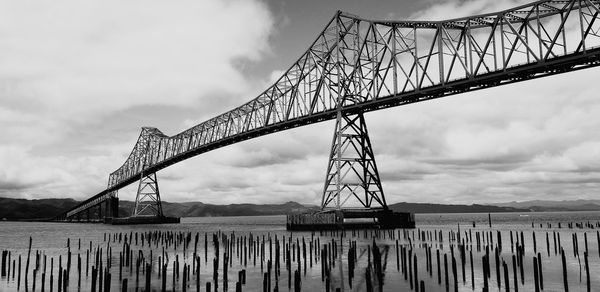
x,y
357,65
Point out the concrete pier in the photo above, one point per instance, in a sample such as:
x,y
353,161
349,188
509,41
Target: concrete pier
x,y
350,219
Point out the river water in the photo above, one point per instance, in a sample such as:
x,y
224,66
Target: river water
x,y
50,239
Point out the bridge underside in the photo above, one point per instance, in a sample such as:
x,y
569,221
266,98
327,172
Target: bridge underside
x,y
97,211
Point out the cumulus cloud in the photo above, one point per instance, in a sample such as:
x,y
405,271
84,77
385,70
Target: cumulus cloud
x,y
449,9
82,58
75,78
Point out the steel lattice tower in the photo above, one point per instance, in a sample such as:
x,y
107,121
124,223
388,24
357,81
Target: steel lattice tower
x,y
352,179
147,201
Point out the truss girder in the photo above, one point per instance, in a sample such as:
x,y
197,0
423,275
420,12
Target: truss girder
x,y
88,205
374,64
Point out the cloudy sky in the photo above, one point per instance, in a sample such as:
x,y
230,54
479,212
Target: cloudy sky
x,y
78,79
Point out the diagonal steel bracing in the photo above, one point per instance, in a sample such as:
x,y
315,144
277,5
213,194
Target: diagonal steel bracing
x,y
147,201
374,64
352,179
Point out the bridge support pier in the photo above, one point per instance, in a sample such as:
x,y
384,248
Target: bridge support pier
x,y
148,206
111,207
352,196
147,200
352,178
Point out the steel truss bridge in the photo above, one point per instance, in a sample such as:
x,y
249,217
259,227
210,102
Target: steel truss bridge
x,y
357,65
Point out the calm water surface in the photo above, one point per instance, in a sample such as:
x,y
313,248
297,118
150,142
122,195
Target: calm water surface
x,y
50,239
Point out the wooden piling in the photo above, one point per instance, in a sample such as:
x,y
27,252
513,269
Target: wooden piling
x,y
439,273
27,264
506,277
535,275
564,266
164,278
148,279
587,271
416,274
515,281
485,274
446,280
454,273
19,275
94,279
472,270
184,282
410,270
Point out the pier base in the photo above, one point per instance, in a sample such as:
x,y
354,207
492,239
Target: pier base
x,y
142,220
351,219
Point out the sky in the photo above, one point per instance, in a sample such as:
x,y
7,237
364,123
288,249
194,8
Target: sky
x,y
78,80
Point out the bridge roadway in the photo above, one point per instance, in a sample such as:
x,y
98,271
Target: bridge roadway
x,y
357,65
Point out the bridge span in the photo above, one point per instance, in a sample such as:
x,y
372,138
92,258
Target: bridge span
x,y
357,65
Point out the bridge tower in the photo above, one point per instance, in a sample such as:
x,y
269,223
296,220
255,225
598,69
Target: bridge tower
x,y
352,178
147,200
148,206
352,194
111,205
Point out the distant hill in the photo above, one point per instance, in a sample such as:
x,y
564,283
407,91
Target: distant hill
x,y
546,205
22,209
198,209
16,209
33,209
439,208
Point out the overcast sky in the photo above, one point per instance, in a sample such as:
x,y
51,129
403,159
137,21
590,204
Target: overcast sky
x,y
78,79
